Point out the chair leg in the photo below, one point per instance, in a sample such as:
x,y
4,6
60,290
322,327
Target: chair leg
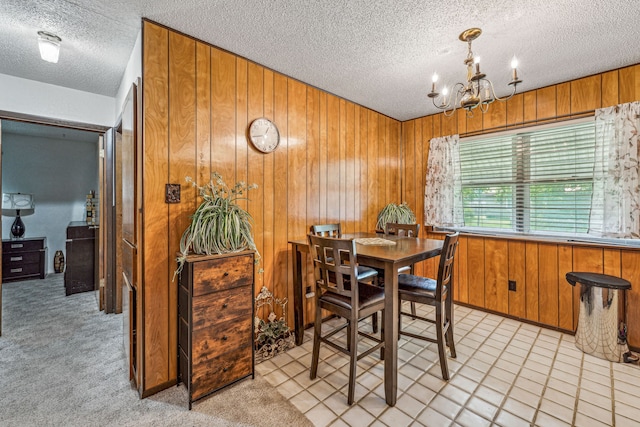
x,y
317,330
442,349
374,323
353,358
449,335
399,317
413,304
374,316
382,336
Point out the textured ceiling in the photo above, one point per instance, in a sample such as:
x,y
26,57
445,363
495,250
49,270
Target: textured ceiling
x,y
378,53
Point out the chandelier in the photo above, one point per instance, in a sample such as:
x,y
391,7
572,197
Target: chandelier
x,y
478,91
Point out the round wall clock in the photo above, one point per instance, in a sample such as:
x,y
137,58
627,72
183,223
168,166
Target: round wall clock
x,y
264,135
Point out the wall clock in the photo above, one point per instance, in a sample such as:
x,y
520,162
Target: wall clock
x,y
264,135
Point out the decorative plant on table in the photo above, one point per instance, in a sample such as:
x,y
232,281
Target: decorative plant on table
x,y
219,225
398,214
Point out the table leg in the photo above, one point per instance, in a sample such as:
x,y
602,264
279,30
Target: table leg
x,y
390,333
298,302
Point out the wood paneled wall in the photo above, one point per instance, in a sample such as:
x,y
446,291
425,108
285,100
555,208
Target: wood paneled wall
x,y
337,162
484,264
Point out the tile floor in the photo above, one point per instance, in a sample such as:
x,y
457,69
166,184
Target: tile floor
x,y
507,373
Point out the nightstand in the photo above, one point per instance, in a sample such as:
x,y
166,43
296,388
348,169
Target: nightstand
x,y
23,259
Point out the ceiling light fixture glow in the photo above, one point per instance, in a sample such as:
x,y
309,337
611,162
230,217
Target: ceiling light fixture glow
x,y
49,45
478,90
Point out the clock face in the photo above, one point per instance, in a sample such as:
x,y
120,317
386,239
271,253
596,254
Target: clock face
x,y
264,135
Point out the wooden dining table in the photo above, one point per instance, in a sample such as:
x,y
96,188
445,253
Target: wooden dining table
x,y
389,257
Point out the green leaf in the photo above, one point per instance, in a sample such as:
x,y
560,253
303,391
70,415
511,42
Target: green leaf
x,y
219,224
393,213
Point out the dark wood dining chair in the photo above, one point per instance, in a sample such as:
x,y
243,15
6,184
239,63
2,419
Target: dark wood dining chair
x,y
327,230
340,292
436,293
406,230
365,274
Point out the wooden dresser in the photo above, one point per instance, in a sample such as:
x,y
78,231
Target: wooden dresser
x,y
24,259
215,316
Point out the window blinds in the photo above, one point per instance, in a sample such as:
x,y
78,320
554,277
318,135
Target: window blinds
x,y
533,181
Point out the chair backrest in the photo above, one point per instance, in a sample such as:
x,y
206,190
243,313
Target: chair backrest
x,y
408,230
327,230
445,270
331,275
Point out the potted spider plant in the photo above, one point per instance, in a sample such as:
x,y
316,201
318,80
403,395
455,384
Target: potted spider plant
x,y
219,225
395,213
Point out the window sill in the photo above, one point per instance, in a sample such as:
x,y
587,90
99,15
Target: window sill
x,y
632,244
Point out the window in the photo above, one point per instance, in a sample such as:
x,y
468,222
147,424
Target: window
x,y
530,181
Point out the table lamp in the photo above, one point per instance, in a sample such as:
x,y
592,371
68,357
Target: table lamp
x,y
12,205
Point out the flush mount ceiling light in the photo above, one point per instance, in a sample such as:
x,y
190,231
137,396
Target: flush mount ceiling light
x,y
477,90
49,45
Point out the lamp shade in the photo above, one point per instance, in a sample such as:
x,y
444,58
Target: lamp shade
x,y
12,202
49,45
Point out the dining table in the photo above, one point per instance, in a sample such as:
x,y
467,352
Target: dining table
x,y
387,253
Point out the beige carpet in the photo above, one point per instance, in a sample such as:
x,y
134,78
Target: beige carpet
x,y
62,364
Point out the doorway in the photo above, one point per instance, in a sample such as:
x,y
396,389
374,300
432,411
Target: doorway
x,y
60,167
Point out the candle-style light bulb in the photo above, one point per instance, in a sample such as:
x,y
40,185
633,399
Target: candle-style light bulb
x,y
514,66
434,79
476,60
487,92
445,92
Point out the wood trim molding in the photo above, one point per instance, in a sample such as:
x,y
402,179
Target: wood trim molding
x,y
29,118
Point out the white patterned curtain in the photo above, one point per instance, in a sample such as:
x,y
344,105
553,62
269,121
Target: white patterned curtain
x,y
615,205
442,193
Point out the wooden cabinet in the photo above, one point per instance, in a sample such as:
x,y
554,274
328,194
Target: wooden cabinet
x,y
215,316
79,275
23,259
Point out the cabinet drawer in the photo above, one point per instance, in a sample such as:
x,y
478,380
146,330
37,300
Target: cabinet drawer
x,y
19,270
222,273
10,260
81,232
210,375
227,336
22,245
209,310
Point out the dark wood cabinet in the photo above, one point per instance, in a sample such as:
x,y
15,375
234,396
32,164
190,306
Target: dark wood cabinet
x,y
79,275
24,259
215,315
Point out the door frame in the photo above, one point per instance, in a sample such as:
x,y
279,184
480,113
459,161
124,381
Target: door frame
x,y
29,118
